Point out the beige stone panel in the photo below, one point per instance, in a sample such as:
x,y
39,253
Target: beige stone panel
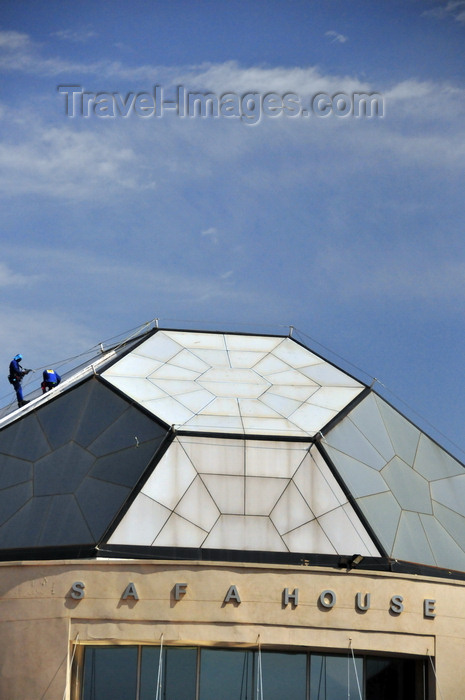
x,y
450,669
247,635
33,658
39,617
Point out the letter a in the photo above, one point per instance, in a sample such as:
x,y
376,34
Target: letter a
x,y
232,594
130,592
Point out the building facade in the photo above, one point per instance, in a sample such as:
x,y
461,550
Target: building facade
x,y
200,515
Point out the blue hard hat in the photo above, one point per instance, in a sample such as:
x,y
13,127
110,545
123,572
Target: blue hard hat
x,y
18,357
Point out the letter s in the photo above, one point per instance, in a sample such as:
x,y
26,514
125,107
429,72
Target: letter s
x,y
397,605
77,590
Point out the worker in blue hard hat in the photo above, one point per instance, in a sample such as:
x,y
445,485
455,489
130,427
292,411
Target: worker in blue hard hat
x,y
50,380
15,377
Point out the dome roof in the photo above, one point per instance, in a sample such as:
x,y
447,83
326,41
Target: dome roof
x,y
225,446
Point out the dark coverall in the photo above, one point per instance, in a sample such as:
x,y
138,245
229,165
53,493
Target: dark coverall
x,y
16,377
50,379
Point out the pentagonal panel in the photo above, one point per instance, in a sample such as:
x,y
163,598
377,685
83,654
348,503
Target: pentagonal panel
x,y
411,501
62,471
82,464
407,486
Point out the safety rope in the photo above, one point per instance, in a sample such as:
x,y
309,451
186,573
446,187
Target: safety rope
x,y
160,670
70,666
434,671
374,380
244,694
355,670
91,352
259,672
129,334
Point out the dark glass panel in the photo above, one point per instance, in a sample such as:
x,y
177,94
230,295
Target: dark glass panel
x,y
178,673
61,471
24,439
127,466
64,523
332,677
13,471
11,500
284,676
226,674
393,678
60,418
110,673
89,413
24,528
124,431
103,407
100,501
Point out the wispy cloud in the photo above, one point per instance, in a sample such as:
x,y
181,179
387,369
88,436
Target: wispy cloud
x,y
78,270
401,276
62,162
77,36
450,8
11,40
336,38
19,53
9,278
211,233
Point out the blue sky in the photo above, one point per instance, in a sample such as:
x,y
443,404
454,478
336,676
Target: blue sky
x,y
349,229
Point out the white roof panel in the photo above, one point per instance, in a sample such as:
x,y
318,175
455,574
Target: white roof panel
x,y
243,494
251,384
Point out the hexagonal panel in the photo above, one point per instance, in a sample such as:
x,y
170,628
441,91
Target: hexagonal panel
x,y
243,495
245,384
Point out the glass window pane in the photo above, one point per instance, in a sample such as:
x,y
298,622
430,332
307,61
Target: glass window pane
x,y
225,674
283,676
110,673
394,678
332,677
178,674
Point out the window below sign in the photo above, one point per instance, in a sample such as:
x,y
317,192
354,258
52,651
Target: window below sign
x,y
181,673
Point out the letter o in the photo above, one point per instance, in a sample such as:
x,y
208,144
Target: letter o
x,y
324,595
337,99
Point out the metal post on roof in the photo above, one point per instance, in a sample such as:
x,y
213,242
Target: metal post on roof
x,y
291,330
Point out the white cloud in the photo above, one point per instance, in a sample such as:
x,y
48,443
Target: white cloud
x,y
8,278
11,40
68,267
114,156
401,275
225,77
232,77
211,233
76,36
450,8
336,37
63,162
